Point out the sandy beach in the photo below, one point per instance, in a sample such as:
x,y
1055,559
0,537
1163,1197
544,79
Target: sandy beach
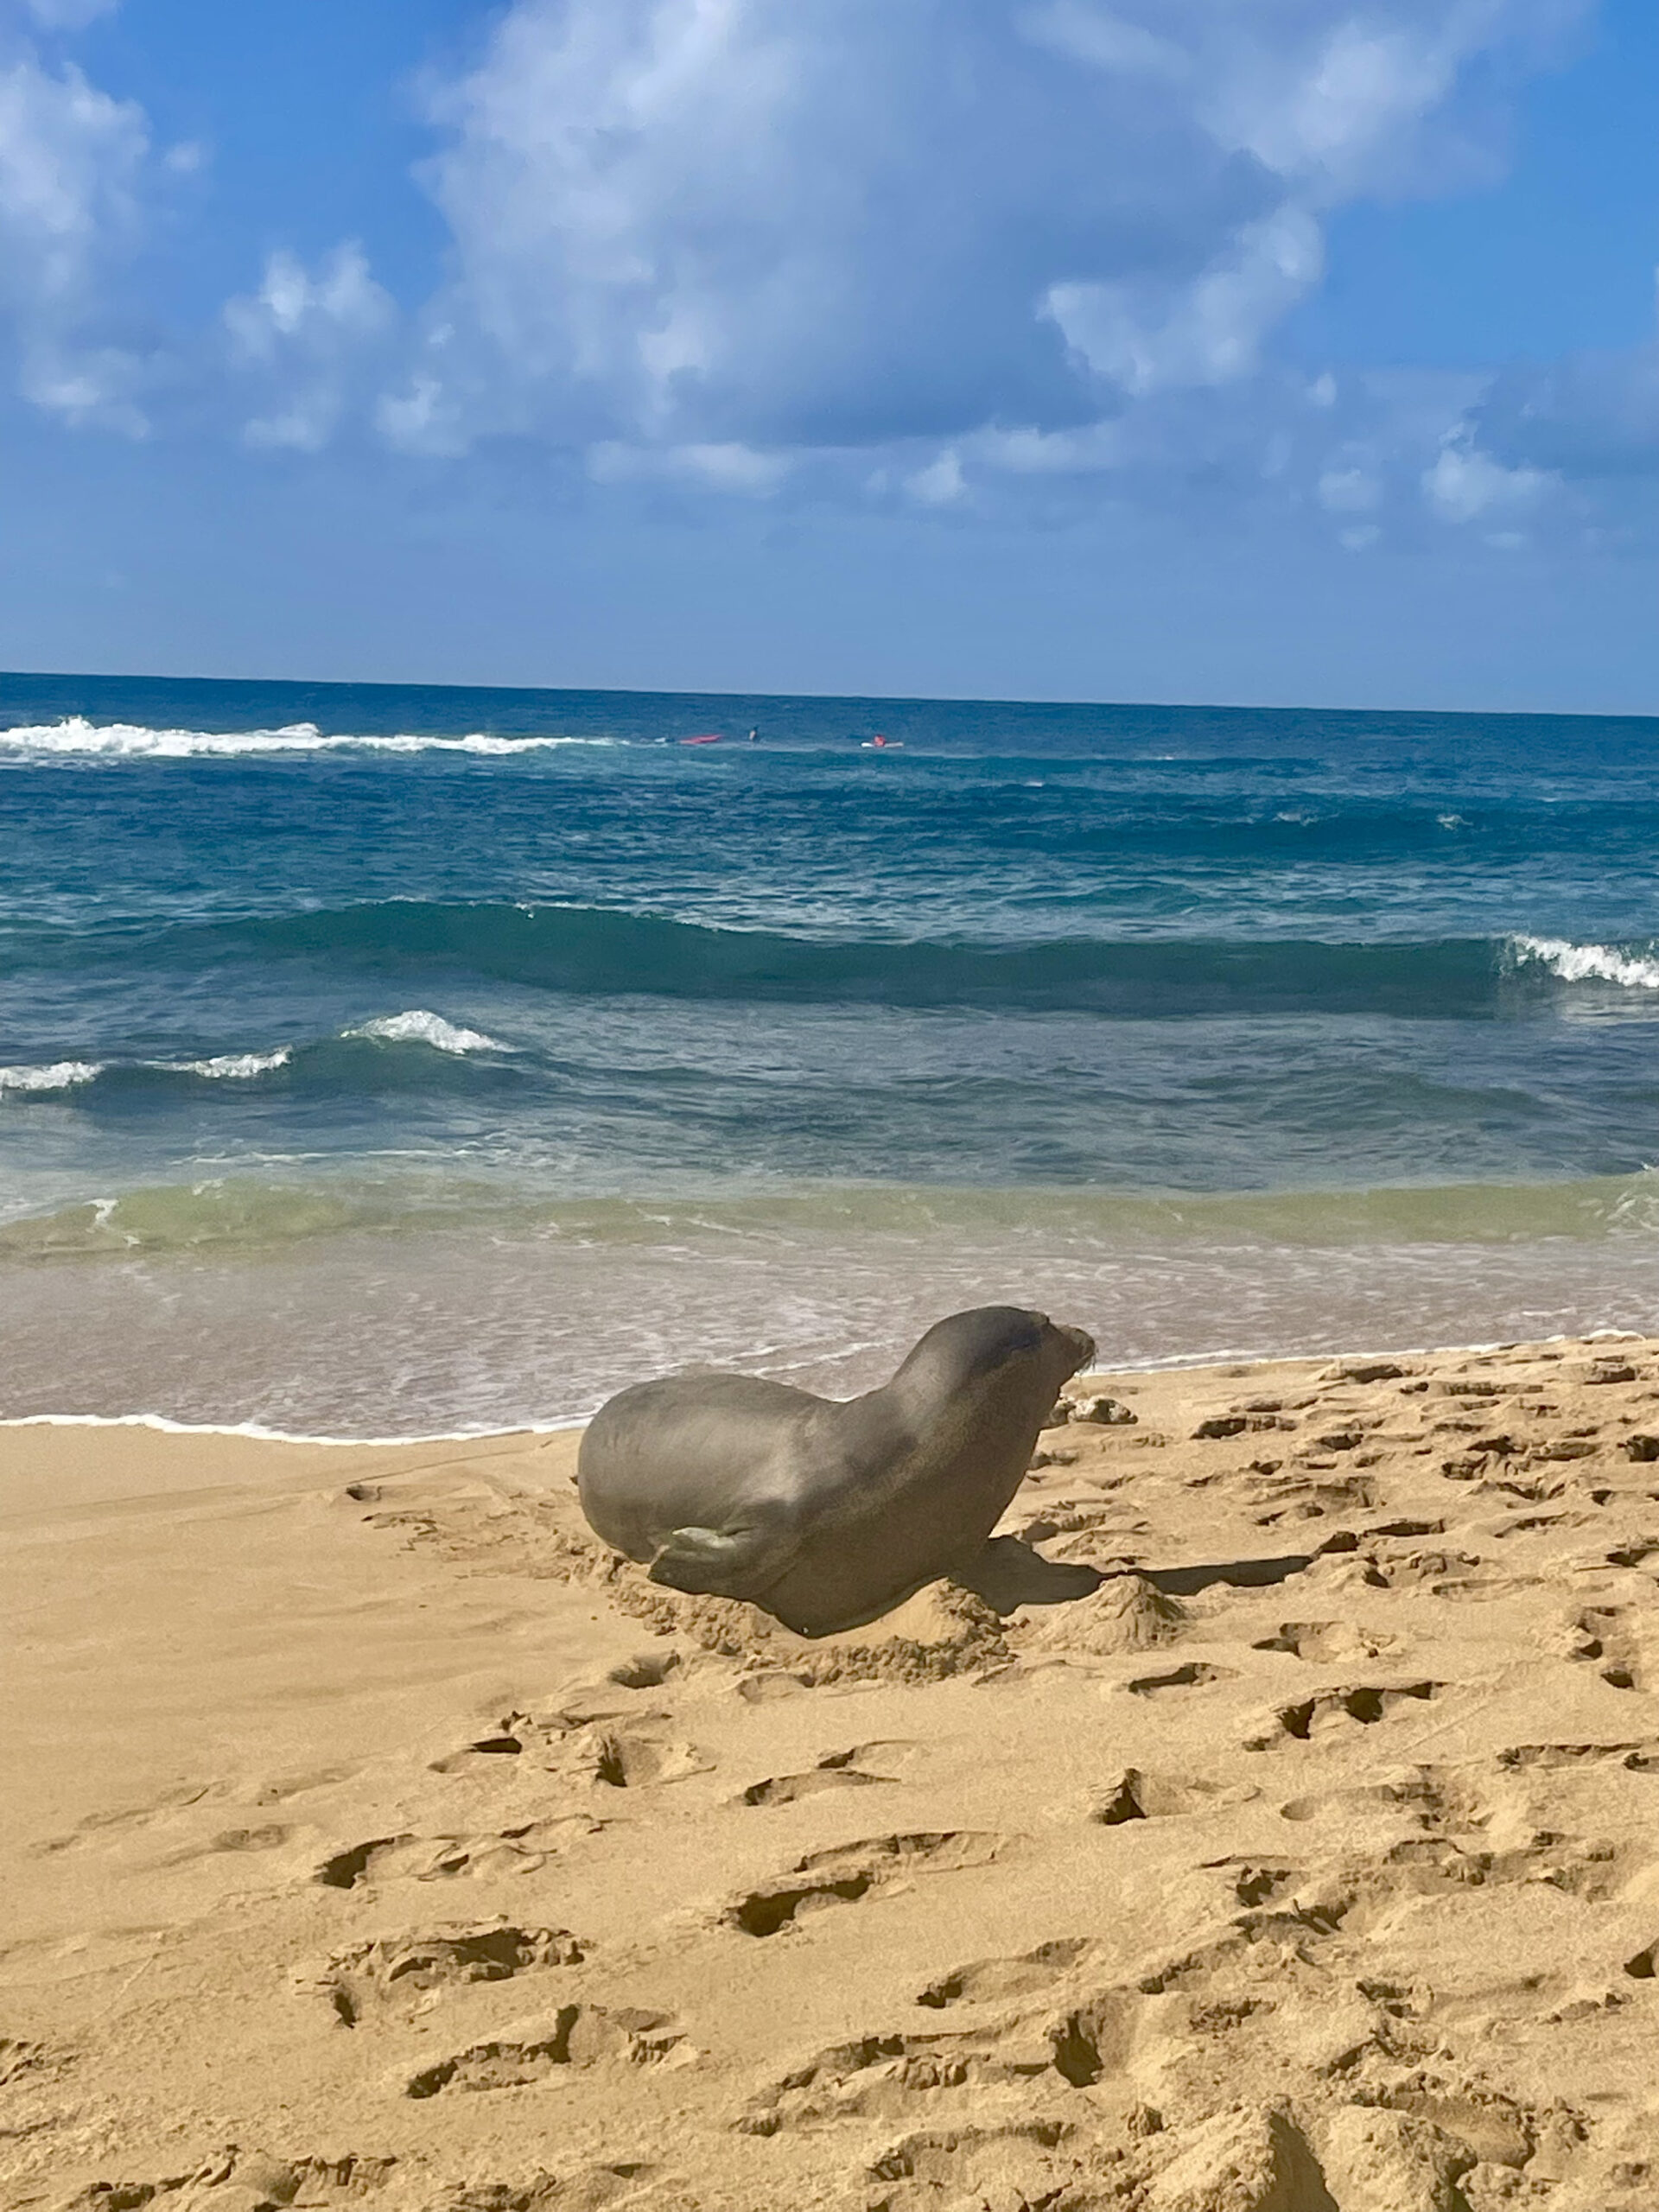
x,y
1274,1832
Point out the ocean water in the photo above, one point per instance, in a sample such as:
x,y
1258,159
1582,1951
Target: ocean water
x,y
381,1060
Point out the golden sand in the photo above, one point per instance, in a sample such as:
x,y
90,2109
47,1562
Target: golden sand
x,y
371,1837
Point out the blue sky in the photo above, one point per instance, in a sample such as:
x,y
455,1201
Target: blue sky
x,y
1277,350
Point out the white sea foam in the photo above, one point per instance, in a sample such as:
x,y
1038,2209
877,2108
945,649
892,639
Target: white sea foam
x,y
261,1435
232,1067
418,1026
1588,963
60,1075
76,736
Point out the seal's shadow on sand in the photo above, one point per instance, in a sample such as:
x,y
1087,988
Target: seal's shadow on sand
x,y
1007,1574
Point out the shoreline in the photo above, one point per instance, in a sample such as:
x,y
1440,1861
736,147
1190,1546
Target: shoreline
x,y
164,1424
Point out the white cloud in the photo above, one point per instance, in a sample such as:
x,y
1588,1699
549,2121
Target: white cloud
x,y
729,467
1327,105
307,331
420,419
1105,40
71,160
1206,330
942,483
70,14
1466,484
293,307
1354,490
961,255
78,175
846,224
1054,452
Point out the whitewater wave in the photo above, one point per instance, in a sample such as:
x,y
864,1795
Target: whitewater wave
x,y
229,1067
58,1075
418,1026
77,737
1632,969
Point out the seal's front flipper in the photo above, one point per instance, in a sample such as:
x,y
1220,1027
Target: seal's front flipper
x,y
1007,1574
722,1562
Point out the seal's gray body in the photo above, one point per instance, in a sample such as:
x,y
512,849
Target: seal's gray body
x,y
827,1513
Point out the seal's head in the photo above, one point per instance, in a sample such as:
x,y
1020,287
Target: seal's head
x,y
966,1352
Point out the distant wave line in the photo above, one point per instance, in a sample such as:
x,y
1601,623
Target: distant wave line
x,y
604,951
76,735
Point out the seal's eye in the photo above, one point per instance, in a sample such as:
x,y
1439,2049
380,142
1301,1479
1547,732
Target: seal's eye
x,y
1009,1345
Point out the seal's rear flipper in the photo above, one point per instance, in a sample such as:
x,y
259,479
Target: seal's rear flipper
x,y
721,1563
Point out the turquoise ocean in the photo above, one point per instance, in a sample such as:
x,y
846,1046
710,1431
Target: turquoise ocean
x,y
383,1060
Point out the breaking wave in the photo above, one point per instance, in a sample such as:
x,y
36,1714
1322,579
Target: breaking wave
x,y
56,1075
75,736
1631,968
230,1067
417,1026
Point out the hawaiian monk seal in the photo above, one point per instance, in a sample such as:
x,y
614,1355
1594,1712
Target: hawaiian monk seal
x,y
827,1513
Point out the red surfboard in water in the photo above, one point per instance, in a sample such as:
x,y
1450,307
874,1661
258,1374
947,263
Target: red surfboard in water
x,y
712,738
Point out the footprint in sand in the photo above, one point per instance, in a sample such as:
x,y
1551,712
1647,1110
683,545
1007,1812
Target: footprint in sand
x,y
409,1973
522,1850
248,2177
591,1749
1089,2038
855,1870
1641,1756
22,2060
1137,1796
1033,2162
269,1835
576,2036
848,1770
1325,1642
114,1826
1250,1882
283,1787
989,1981
1334,1710
1610,1637
1193,1675
878,2076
